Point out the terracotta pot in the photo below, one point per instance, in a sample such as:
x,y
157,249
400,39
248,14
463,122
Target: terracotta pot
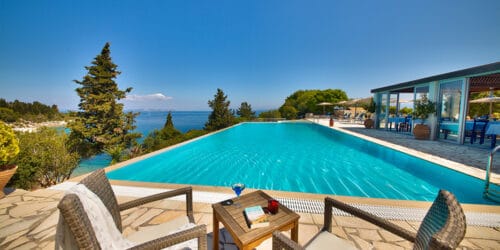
x,y
5,176
369,123
421,132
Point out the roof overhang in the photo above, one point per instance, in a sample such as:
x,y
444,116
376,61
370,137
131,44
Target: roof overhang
x,y
482,77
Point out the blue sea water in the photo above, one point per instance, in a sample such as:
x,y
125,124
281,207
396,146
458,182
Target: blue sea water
x,y
146,122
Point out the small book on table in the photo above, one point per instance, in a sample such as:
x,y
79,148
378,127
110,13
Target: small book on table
x,y
256,217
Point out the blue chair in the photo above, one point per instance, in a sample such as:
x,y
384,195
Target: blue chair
x,y
404,125
478,128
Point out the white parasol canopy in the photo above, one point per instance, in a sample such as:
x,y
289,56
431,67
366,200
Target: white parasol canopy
x,y
324,104
489,99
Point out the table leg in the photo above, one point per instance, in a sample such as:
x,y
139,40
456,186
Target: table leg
x,y
215,232
493,141
295,232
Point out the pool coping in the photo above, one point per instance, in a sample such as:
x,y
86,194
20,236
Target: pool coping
x,y
406,210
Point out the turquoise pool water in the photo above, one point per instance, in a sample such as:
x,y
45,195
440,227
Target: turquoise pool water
x,y
302,157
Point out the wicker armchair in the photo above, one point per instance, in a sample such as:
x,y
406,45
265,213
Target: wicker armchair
x,y
442,228
78,225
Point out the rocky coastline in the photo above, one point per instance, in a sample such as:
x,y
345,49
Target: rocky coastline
x,y
30,127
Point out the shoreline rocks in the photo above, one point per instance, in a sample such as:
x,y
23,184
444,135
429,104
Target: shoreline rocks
x,y
31,127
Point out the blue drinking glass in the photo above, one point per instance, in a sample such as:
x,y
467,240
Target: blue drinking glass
x,y
238,188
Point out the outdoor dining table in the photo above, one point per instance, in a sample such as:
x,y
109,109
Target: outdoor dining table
x,y
396,121
493,130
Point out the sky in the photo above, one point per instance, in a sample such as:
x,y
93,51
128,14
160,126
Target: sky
x,y
175,54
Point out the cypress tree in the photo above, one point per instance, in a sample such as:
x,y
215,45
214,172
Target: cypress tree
x,y
169,123
169,131
100,123
221,116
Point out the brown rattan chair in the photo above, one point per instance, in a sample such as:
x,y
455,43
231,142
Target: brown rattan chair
x,y
442,228
78,225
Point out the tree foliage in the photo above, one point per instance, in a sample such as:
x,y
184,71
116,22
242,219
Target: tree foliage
x,y
245,112
44,159
423,108
154,141
35,111
480,109
101,124
306,101
369,106
289,112
406,111
221,116
270,114
158,139
169,129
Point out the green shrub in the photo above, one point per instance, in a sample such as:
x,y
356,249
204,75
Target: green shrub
x,y
9,145
423,108
44,159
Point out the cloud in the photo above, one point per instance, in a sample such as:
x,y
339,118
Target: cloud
x,y
146,98
150,101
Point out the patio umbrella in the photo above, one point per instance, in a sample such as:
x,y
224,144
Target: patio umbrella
x,y
356,102
490,99
324,104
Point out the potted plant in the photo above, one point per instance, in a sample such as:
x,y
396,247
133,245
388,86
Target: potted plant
x,y
370,108
423,108
9,148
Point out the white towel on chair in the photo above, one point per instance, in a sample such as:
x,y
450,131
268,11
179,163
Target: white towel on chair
x,y
108,236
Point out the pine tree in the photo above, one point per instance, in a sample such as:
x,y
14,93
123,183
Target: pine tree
x,y
101,124
245,111
221,116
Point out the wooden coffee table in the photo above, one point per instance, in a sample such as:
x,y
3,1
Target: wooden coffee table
x,y
233,219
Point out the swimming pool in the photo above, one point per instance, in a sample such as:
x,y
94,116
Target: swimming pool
x,y
302,157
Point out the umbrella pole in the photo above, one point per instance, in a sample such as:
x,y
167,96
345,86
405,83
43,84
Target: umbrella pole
x,y
491,103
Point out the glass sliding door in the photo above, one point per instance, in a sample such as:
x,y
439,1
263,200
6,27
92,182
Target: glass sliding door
x,y
450,95
392,120
382,110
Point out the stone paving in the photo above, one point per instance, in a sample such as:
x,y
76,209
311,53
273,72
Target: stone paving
x,y
471,155
28,219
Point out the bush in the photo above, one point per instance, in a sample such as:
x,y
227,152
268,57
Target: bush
x,y
289,112
155,140
8,115
9,145
270,114
44,159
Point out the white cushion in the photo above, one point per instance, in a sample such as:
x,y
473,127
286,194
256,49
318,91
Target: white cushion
x,y
326,240
157,231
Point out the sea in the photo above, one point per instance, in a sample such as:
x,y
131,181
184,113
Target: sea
x,y
146,122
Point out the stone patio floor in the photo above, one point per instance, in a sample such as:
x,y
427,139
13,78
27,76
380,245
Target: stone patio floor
x,y
28,219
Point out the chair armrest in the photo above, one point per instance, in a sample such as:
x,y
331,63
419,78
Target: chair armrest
x,y
280,242
199,232
383,223
188,191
